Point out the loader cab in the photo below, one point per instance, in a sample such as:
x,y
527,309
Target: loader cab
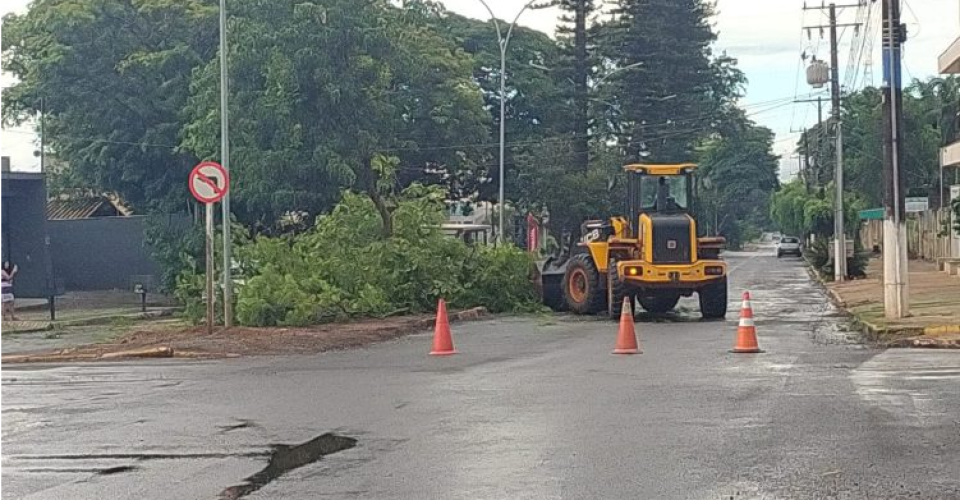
x,y
660,189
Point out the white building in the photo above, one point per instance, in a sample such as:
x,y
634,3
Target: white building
x,y
949,63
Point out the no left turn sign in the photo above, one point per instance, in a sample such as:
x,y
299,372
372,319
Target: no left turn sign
x,y
209,182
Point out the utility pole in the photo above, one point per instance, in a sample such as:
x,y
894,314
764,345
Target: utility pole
x,y
225,162
819,157
840,245
819,137
896,300
805,162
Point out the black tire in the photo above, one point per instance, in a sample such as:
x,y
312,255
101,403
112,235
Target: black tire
x,y
713,300
617,290
659,304
583,290
553,294
779,255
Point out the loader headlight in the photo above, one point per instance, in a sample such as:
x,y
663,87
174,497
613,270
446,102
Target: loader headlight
x,y
633,271
713,271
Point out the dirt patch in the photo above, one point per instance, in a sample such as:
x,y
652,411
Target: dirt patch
x,y
194,342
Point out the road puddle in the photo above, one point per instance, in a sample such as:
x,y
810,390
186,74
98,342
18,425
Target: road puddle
x,y
286,458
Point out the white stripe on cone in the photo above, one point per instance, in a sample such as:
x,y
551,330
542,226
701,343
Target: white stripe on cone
x,y
746,322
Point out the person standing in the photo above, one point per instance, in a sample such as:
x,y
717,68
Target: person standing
x,y
8,272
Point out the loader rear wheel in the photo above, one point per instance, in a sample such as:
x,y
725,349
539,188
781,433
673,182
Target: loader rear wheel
x,y
582,288
659,304
713,299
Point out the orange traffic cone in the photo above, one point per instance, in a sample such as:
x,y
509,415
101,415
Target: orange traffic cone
x,y
747,331
442,341
627,337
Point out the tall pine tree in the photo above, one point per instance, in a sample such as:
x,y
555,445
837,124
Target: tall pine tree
x,y
664,105
576,68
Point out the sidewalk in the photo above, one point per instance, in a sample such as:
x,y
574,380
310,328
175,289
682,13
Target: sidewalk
x,y
934,319
81,317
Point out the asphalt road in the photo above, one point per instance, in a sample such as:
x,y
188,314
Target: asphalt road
x,y
532,408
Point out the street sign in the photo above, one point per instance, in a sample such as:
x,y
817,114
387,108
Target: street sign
x,y
872,214
209,182
918,204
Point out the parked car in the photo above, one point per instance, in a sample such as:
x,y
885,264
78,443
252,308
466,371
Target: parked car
x,y
788,245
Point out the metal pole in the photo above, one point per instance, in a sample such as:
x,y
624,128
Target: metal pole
x,y
504,42
225,161
840,247
209,261
503,116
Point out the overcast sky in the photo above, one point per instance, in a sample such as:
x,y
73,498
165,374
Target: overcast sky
x,y
765,35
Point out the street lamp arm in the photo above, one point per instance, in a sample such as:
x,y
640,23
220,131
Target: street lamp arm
x,y
496,23
514,23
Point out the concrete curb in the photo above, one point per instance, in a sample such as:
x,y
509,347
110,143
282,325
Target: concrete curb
x,y
100,353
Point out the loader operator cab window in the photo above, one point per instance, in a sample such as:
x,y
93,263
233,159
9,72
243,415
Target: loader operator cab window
x,y
665,193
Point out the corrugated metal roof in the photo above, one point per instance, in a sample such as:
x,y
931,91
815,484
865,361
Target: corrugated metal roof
x,y
70,209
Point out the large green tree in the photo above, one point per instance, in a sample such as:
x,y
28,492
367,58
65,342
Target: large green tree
x,y
113,77
666,102
536,109
576,67
337,94
929,111
738,173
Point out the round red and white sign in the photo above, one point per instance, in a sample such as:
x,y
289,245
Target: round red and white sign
x,y
209,182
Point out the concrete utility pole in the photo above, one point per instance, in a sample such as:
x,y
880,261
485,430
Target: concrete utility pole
x,y
806,146
896,299
839,237
225,161
840,246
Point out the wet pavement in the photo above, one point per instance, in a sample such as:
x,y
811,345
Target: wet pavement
x,y
532,408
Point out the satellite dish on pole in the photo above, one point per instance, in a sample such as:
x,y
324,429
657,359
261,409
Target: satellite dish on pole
x,y
818,74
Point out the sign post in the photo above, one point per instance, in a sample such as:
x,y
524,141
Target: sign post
x,y
208,183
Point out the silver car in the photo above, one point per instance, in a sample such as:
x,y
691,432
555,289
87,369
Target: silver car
x,y
788,245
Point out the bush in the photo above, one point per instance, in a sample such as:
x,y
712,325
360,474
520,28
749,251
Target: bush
x,y
818,255
344,268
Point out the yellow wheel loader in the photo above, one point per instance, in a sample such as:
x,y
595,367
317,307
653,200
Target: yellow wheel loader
x,y
652,256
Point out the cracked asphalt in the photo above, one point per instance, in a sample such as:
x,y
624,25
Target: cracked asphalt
x,y
532,408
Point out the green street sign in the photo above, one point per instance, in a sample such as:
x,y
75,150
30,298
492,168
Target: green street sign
x,y
872,214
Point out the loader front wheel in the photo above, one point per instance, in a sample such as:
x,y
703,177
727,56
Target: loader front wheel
x,y
582,288
617,290
713,300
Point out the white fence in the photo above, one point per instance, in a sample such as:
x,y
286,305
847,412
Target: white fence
x,y
928,234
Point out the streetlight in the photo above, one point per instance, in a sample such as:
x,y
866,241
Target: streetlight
x,y
504,42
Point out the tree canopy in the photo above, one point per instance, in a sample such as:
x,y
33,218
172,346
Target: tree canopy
x,y
328,95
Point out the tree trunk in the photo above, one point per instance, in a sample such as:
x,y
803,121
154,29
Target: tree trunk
x,y
385,215
581,141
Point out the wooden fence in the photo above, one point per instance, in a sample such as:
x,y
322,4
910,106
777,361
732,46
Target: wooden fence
x,y
928,234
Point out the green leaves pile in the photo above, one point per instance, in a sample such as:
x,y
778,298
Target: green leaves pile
x,y
344,268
